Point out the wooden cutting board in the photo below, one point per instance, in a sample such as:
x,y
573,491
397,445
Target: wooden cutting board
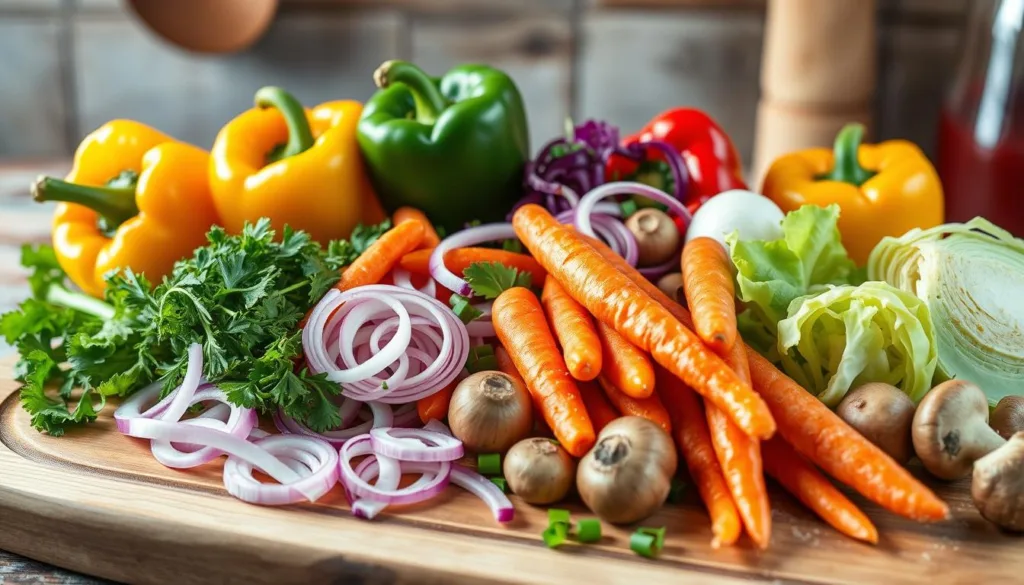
x,y
97,502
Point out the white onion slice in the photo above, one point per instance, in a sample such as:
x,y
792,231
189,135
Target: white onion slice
x,y
467,237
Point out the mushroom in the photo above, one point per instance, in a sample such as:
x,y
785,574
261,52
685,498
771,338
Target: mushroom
x,y
883,414
951,429
1008,417
490,411
539,471
997,487
628,473
657,237
672,285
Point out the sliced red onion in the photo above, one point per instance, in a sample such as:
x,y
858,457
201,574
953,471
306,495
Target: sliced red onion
x,y
403,278
358,487
318,471
183,395
655,272
385,343
382,418
239,423
484,489
467,237
415,445
389,474
675,207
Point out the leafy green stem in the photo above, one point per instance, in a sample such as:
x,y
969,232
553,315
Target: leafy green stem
x,y
59,295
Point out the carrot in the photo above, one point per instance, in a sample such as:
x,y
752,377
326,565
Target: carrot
x,y
650,408
616,300
804,481
505,365
436,405
574,328
382,255
522,329
459,259
600,410
824,438
694,442
811,428
628,368
707,284
740,458
430,237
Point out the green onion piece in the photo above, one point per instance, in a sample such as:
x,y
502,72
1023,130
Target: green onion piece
x,y
643,545
512,246
488,464
557,515
676,491
628,207
587,530
658,536
481,358
555,535
462,309
480,351
500,482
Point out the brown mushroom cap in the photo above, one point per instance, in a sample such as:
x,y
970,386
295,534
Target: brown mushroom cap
x,y
1008,417
883,414
951,431
672,285
657,237
997,486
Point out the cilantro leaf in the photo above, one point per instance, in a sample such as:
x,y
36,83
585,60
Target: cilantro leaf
x,y
490,279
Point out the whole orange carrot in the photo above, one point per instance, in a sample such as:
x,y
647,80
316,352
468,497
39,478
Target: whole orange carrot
x,y
650,408
694,442
707,284
382,255
459,259
819,434
520,325
804,481
574,329
625,366
811,428
430,237
436,405
600,410
615,300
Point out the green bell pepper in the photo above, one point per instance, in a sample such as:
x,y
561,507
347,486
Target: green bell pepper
x,y
453,147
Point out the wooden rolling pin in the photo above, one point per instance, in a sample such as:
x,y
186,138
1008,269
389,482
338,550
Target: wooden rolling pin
x,y
817,74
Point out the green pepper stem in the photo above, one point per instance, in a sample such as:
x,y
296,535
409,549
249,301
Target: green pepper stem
x,y
115,204
59,295
846,166
429,101
300,137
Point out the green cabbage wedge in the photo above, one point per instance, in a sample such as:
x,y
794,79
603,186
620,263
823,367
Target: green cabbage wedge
x,y
971,277
852,335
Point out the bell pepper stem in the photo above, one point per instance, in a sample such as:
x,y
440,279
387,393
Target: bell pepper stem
x,y
846,166
300,136
116,204
59,295
429,101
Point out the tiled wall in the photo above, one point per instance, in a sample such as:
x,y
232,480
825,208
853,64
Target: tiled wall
x,y
70,65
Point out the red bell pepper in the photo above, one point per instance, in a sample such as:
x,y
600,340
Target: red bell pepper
x,y
709,154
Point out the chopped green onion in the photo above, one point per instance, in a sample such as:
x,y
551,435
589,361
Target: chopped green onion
x,y
512,245
628,207
462,309
488,464
676,491
556,515
481,358
556,534
500,482
587,530
647,542
643,545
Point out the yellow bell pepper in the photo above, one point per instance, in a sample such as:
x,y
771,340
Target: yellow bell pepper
x,y
884,189
134,198
297,167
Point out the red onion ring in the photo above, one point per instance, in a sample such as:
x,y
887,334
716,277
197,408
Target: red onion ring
x,y
675,207
318,471
403,278
467,237
425,344
415,445
382,418
359,487
610,230
657,271
484,489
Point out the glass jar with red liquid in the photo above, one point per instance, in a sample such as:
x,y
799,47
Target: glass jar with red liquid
x,y
981,132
